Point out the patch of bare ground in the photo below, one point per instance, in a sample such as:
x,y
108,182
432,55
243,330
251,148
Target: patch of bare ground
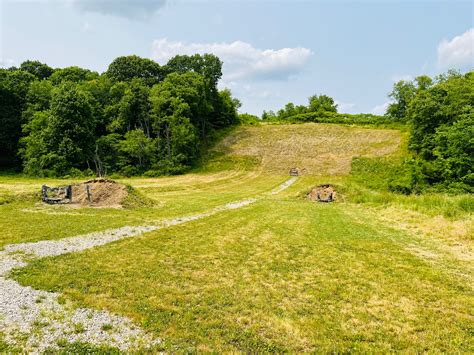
x,y
322,149
102,192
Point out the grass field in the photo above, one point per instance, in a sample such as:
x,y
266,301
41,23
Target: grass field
x,y
322,149
374,271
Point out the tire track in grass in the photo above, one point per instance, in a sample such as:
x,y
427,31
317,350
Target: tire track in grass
x,y
39,316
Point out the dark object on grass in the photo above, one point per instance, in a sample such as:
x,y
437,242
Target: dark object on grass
x,y
297,171
294,172
56,195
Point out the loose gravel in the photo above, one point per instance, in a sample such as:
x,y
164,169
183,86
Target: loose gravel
x,y
284,186
36,320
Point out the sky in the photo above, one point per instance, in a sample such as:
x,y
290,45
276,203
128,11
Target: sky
x,y
274,51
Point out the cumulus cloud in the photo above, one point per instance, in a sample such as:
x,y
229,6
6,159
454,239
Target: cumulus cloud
x,y
457,52
241,59
381,109
133,9
345,107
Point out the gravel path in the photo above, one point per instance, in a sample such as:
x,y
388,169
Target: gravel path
x,y
36,320
284,186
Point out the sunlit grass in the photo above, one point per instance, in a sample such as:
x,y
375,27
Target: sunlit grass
x,y
305,277
375,271
23,218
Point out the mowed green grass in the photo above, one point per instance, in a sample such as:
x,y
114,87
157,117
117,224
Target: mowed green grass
x,y
374,271
282,275
24,219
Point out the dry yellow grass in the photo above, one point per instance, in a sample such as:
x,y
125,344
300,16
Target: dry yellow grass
x,y
451,236
322,149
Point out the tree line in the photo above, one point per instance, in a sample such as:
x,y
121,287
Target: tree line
x,y
440,114
136,118
142,118
320,109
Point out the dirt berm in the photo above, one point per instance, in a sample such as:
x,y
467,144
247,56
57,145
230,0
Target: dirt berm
x,y
99,192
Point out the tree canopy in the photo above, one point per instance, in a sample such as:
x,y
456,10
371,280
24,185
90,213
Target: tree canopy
x,y
440,112
138,117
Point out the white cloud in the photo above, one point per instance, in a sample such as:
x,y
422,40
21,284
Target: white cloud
x,y
381,109
457,52
241,59
344,107
133,9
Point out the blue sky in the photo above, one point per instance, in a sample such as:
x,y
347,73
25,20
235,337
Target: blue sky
x,y
274,51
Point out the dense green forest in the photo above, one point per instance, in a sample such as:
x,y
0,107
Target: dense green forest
x,y
142,118
136,118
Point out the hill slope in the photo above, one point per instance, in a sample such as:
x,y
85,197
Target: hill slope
x,y
322,149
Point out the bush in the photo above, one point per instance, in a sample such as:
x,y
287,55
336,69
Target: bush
x,y
409,178
247,119
333,117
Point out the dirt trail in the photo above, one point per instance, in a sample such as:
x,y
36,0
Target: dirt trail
x,y
38,314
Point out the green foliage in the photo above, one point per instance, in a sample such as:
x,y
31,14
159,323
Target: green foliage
x,y
333,117
442,119
320,109
321,103
408,178
226,109
403,93
247,119
138,148
137,117
74,74
14,86
124,69
208,66
454,150
60,138
38,69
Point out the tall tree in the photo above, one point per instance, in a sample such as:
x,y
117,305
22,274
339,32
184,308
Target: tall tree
x,y
14,86
133,109
321,103
72,74
62,137
39,70
134,67
177,137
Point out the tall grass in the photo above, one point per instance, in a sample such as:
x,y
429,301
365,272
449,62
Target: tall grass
x,y
371,179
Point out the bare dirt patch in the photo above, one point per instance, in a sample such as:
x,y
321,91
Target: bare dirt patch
x,y
102,192
96,192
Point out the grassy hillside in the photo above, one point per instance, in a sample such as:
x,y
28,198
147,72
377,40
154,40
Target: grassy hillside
x,y
321,149
374,271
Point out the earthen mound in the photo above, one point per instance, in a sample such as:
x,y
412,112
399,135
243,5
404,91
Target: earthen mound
x,y
96,192
99,192
322,193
